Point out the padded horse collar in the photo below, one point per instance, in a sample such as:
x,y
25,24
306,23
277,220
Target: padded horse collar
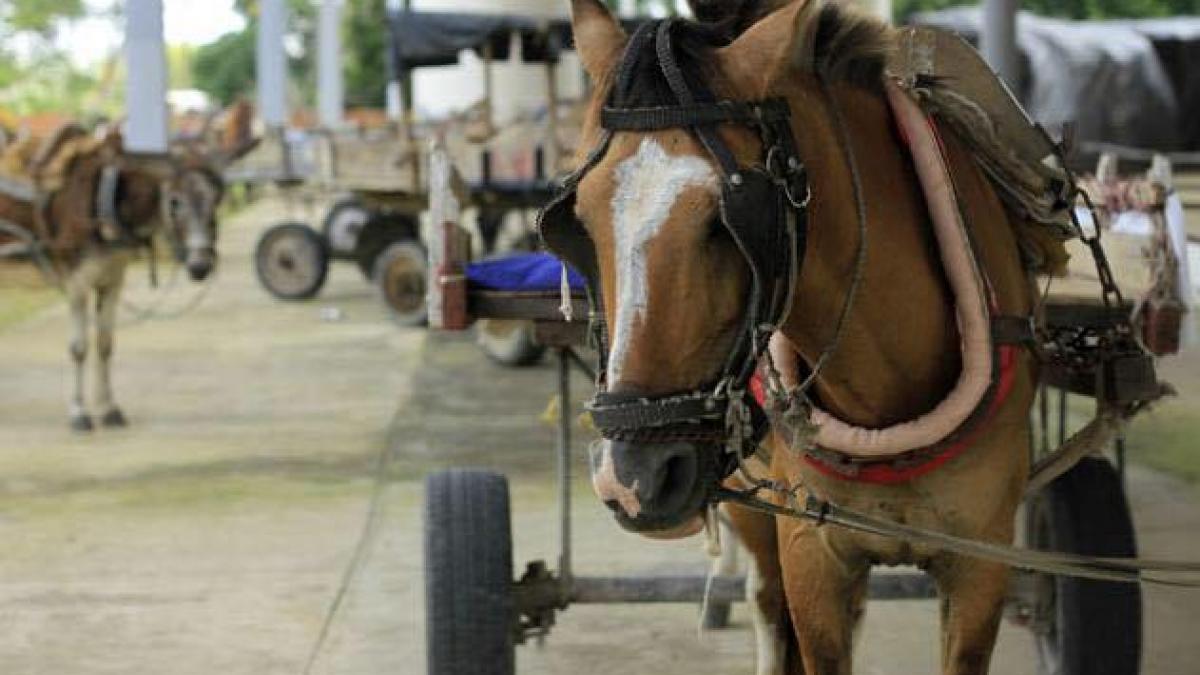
x,y
763,208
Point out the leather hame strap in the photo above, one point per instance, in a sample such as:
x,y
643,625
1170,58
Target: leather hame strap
x,y
682,116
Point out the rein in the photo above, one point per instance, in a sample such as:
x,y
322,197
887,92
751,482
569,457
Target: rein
x,y
821,511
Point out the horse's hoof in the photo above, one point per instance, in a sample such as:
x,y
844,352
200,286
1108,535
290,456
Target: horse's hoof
x,y
114,418
81,423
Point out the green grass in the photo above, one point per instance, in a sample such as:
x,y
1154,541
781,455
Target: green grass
x,y
18,303
1168,439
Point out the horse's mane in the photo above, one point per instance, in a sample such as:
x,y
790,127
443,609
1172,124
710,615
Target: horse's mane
x,y
851,46
54,143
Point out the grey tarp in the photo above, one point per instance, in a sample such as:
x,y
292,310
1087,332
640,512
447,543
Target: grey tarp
x,y
1127,82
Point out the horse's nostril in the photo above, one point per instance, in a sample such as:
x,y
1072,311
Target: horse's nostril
x,y
675,478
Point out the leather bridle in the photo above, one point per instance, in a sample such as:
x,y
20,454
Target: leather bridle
x,y
763,207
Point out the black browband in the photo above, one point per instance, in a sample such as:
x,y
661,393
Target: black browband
x,y
772,244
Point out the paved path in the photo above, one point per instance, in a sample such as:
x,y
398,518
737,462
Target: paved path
x,y
212,534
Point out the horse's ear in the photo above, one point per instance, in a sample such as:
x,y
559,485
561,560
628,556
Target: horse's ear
x,y
768,50
599,38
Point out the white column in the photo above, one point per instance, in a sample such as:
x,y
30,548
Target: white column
x,y
272,63
998,38
393,94
146,83
626,8
329,64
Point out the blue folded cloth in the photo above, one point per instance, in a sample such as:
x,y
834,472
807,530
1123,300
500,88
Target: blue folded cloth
x,y
522,272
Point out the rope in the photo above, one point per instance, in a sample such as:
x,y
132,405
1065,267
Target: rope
x,y
358,557
140,314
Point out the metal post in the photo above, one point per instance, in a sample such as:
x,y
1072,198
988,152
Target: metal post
x,y
146,86
329,64
552,149
564,467
1119,446
1062,417
488,87
998,39
1044,415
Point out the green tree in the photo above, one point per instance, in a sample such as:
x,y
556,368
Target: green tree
x,y
45,79
37,16
224,68
364,41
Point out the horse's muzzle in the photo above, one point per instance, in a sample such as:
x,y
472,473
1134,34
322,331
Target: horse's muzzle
x,y
200,266
653,488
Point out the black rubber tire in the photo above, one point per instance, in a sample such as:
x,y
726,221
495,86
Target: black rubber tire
x,y
291,261
469,611
342,225
1096,625
402,277
509,343
383,228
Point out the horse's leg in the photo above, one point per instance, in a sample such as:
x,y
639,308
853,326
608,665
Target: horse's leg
x,y
107,297
77,297
825,594
971,594
764,587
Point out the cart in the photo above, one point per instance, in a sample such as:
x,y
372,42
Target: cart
x,y
373,179
479,609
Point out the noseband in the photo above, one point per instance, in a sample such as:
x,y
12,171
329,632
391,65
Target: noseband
x,y
763,207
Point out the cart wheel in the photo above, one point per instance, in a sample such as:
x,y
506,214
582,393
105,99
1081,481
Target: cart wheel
x,y
342,225
469,612
291,261
382,229
400,274
1084,626
509,343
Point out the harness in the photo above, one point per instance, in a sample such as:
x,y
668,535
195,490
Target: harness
x,y
763,207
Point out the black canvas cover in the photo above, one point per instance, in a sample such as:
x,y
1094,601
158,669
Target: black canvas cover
x,y
1133,83
436,38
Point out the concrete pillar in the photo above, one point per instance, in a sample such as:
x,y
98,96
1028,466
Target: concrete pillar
x,y
330,97
394,95
998,39
146,82
272,63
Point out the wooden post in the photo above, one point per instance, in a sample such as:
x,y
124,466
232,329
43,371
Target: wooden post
x,y
447,254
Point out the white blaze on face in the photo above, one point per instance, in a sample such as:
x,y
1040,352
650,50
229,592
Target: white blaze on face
x,y
648,185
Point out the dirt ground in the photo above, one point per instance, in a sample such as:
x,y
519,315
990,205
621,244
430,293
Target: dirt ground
x,y
213,534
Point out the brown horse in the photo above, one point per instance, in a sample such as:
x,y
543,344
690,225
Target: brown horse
x,y
674,286
90,243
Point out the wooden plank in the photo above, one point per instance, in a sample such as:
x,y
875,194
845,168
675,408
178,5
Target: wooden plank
x,y
541,306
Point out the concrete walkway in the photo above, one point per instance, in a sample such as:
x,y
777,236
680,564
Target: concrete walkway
x,y
211,536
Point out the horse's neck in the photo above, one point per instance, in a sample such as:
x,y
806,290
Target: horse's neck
x,y
898,355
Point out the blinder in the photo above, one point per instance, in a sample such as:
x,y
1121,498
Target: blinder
x,y
761,211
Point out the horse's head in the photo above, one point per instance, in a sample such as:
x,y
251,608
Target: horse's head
x,y
682,226
193,194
